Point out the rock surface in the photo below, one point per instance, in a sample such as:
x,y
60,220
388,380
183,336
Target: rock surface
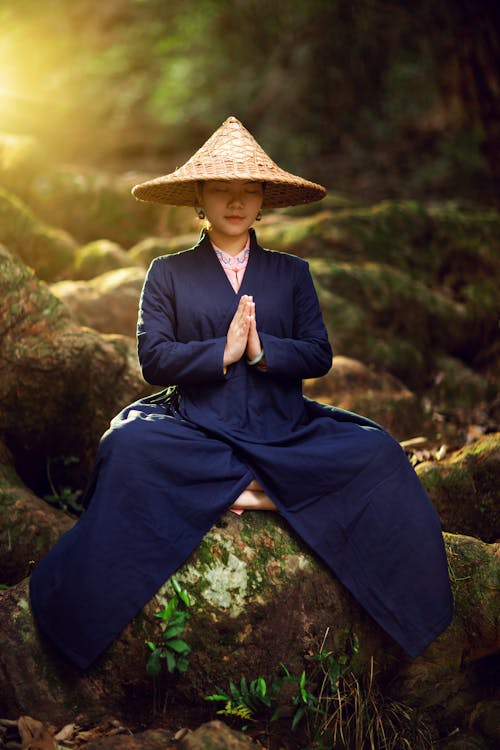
x,y
28,525
380,396
96,258
465,488
107,303
48,250
248,580
60,384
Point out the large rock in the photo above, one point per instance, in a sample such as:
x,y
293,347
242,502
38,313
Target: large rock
x,y
96,258
148,249
465,488
258,597
48,250
451,676
29,526
89,203
60,384
404,285
380,396
108,303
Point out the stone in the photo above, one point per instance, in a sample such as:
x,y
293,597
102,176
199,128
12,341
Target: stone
x,y
60,384
380,396
258,597
29,526
145,251
96,258
215,735
464,488
48,250
108,303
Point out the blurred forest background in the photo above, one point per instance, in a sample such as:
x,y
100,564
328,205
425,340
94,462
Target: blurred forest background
x,y
374,98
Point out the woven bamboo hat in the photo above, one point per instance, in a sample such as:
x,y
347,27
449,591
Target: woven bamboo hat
x,y
231,153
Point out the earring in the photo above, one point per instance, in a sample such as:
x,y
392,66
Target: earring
x,y
200,212
259,216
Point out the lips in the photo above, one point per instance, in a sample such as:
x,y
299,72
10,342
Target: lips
x,y
234,218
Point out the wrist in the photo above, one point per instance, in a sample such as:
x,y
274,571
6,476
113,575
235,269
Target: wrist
x,y
255,360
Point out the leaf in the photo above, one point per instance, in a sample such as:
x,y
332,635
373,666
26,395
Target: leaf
x,y
183,595
170,661
276,714
153,665
172,631
180,647
234,691
285,669
244,689
182,664
217,697
261,683
166,614
298,716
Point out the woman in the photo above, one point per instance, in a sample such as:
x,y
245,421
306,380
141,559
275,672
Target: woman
x,y
236,328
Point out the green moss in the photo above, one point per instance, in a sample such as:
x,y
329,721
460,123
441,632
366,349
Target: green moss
x,y
475,578
47,250
99,257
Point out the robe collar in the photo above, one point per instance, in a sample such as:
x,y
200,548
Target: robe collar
x,y
215,274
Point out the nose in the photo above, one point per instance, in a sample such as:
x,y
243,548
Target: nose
x,y
236,198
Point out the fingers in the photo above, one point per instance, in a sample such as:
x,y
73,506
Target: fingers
x,y
237,335
242,333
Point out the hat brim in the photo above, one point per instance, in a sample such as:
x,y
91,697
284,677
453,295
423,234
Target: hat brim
x,y
177,192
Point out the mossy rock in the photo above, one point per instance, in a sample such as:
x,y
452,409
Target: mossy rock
x,y
465,488
48,250
151,247
29,526
51,368
90,203
381,315
258,597
108,303
97,258
402,283
354,386
439,244
457,386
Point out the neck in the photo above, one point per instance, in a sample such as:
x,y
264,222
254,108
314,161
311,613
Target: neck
x,y
230,245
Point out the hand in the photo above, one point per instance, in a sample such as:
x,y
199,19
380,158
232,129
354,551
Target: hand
x,y
237,334
254,346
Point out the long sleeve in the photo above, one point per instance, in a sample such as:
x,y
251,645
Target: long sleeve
x,y
307,354
164,359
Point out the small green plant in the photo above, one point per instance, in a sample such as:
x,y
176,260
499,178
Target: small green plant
x,y
63,497
256,701
304,701
248,701
173,651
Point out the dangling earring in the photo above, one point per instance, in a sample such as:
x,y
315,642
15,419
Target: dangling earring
x,y
200,213
259,216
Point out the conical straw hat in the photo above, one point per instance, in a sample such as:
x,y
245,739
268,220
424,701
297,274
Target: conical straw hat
x,y
231,153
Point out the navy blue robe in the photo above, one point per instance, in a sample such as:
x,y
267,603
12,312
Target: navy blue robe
x,y
171,464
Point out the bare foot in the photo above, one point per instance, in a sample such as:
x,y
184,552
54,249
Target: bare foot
x,y
253,500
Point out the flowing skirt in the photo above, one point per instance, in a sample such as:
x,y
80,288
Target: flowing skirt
x,y
161,482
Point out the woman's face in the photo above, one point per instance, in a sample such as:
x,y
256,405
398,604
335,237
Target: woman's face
x,y
231,205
